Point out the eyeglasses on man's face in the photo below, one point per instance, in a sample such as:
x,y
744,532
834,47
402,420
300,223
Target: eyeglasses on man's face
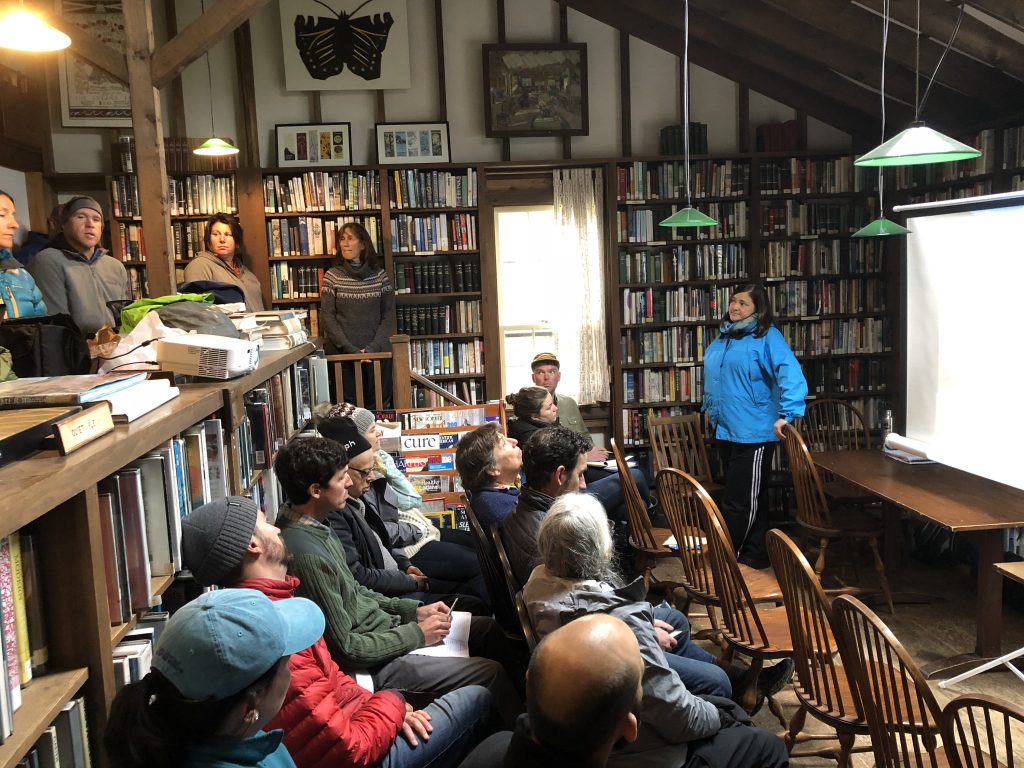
x,y
363,473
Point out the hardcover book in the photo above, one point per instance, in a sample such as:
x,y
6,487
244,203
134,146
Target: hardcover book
x,y
64,390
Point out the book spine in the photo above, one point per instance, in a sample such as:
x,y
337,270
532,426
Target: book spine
x,y
20,616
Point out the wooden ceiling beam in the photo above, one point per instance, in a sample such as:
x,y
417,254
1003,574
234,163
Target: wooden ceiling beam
x,y
222,17
859,26
829,50
92,49
975,38
1007,11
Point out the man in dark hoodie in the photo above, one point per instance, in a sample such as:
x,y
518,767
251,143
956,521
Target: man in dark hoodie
x,y
75,274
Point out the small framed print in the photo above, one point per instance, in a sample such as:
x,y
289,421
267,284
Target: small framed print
x,y
326,144
413,143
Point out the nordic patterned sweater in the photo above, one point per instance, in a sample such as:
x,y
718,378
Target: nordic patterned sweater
x,y
357,309
364,629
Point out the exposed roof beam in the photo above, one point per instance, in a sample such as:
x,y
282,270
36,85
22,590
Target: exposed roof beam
x,y
1007,11
219,21
92,49
859,26
938,19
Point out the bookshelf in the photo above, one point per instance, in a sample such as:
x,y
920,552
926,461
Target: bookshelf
x,y
304,210
58,497
432,223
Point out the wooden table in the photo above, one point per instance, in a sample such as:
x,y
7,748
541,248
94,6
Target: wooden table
x,y
955,500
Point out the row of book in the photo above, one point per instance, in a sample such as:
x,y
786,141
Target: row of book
x,y
634,422
195,195
178,156
138,285
311,191
641,225
983,187
802,175
293,281
433,232
22,632
840,256
676,345
793,217
777,137
672,140
1013,541
434,319
420,188
444,418
800,298
469,390
1013,147
837,336
678,263
666,180
419,276
187,240
848,374
674,305
314,236
65,743
665,385
911,176
440,358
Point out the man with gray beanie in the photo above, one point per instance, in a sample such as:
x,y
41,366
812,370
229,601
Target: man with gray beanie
x,y
329,720
75,274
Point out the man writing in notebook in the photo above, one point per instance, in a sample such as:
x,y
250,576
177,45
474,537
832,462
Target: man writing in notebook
x,y
329,720
367,631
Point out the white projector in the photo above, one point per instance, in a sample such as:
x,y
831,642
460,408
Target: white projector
x,y
203,354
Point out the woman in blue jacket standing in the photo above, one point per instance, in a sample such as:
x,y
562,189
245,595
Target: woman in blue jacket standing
x,y
18,291
753,386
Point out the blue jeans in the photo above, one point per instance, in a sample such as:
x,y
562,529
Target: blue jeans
x,y
608,491
695,666
459,721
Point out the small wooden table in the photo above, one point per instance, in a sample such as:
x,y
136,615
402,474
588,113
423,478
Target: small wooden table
x,y
955,500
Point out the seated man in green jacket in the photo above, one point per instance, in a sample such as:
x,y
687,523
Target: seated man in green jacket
x,y
366,631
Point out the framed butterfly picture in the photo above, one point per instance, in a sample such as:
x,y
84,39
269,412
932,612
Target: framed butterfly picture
x,y
535,89
343,45
413,143
323,145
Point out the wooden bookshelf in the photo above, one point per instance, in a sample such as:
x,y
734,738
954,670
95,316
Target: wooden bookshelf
x,y
40,703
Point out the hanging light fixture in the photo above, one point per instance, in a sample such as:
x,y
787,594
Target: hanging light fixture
x,y
882,227
22,30
213,146
688,216
919,144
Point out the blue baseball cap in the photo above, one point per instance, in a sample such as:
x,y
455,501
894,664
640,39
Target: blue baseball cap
x,y
223,641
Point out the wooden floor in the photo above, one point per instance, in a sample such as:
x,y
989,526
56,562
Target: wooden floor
x,y
929,631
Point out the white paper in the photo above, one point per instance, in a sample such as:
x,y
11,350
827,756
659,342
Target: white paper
x,y
455,643
897,442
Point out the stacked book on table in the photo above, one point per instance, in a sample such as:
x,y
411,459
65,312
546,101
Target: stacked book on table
x,y
273,329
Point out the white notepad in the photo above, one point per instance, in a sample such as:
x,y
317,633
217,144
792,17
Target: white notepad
x,y
455,643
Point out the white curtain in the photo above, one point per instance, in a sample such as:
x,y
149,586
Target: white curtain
x,y
578,220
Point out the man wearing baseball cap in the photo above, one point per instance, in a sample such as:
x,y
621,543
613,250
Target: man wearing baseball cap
x,y
75,274
329,720
220,671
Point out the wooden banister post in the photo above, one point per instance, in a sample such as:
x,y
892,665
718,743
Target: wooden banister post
x,y
400,381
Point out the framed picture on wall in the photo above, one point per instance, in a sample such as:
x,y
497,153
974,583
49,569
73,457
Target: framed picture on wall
x,y
326,144
413,143
90,97
535,89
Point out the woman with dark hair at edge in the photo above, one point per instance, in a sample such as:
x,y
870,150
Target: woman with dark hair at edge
x,y
357,309
225,260
753,387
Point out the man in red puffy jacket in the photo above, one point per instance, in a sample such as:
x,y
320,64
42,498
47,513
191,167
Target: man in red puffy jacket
x,y
329,719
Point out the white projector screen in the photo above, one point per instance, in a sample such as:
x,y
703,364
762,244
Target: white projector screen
x,y
965,338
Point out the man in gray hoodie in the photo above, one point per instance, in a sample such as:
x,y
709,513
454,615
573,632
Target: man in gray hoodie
x,y
75,274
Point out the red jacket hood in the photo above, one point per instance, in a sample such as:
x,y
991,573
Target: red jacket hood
x,y
275,589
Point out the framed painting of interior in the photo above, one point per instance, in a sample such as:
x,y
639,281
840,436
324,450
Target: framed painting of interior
x,y
342,51
88,95
535,89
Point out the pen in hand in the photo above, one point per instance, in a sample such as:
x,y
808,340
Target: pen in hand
x,y
452,606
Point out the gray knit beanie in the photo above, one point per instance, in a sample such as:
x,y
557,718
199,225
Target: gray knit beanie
x,y
215,537
77,204
363,418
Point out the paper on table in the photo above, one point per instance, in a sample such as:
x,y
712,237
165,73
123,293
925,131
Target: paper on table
x,y
456,643
906,449
692,542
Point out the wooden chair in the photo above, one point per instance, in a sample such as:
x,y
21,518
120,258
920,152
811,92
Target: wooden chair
x,y
815,519
678,442
525,623
978,732
511,582
497,588
904,719
836,425
681,497
760,634
823,688
647,541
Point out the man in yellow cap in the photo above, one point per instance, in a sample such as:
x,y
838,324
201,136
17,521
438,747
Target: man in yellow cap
x,y
547,373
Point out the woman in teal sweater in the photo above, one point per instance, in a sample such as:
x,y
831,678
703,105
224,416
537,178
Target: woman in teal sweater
x,y
220,672
18,291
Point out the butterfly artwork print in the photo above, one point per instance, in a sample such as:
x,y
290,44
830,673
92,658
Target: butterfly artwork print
x,y
326,45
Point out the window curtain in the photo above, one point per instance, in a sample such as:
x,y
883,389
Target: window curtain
x,y
578,219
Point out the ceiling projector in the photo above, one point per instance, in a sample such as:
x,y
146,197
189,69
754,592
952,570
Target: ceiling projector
x,y
203,354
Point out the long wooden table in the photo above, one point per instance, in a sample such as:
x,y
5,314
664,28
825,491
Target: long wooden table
x,y
955,500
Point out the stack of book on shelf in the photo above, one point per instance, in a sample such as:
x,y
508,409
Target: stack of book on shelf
x,y
130,395
278,329
22,631
65,743
133,656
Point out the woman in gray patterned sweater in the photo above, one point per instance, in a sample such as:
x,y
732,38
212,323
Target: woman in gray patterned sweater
x,y
357,309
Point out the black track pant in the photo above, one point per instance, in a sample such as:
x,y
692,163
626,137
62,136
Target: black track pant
x,y
744,504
